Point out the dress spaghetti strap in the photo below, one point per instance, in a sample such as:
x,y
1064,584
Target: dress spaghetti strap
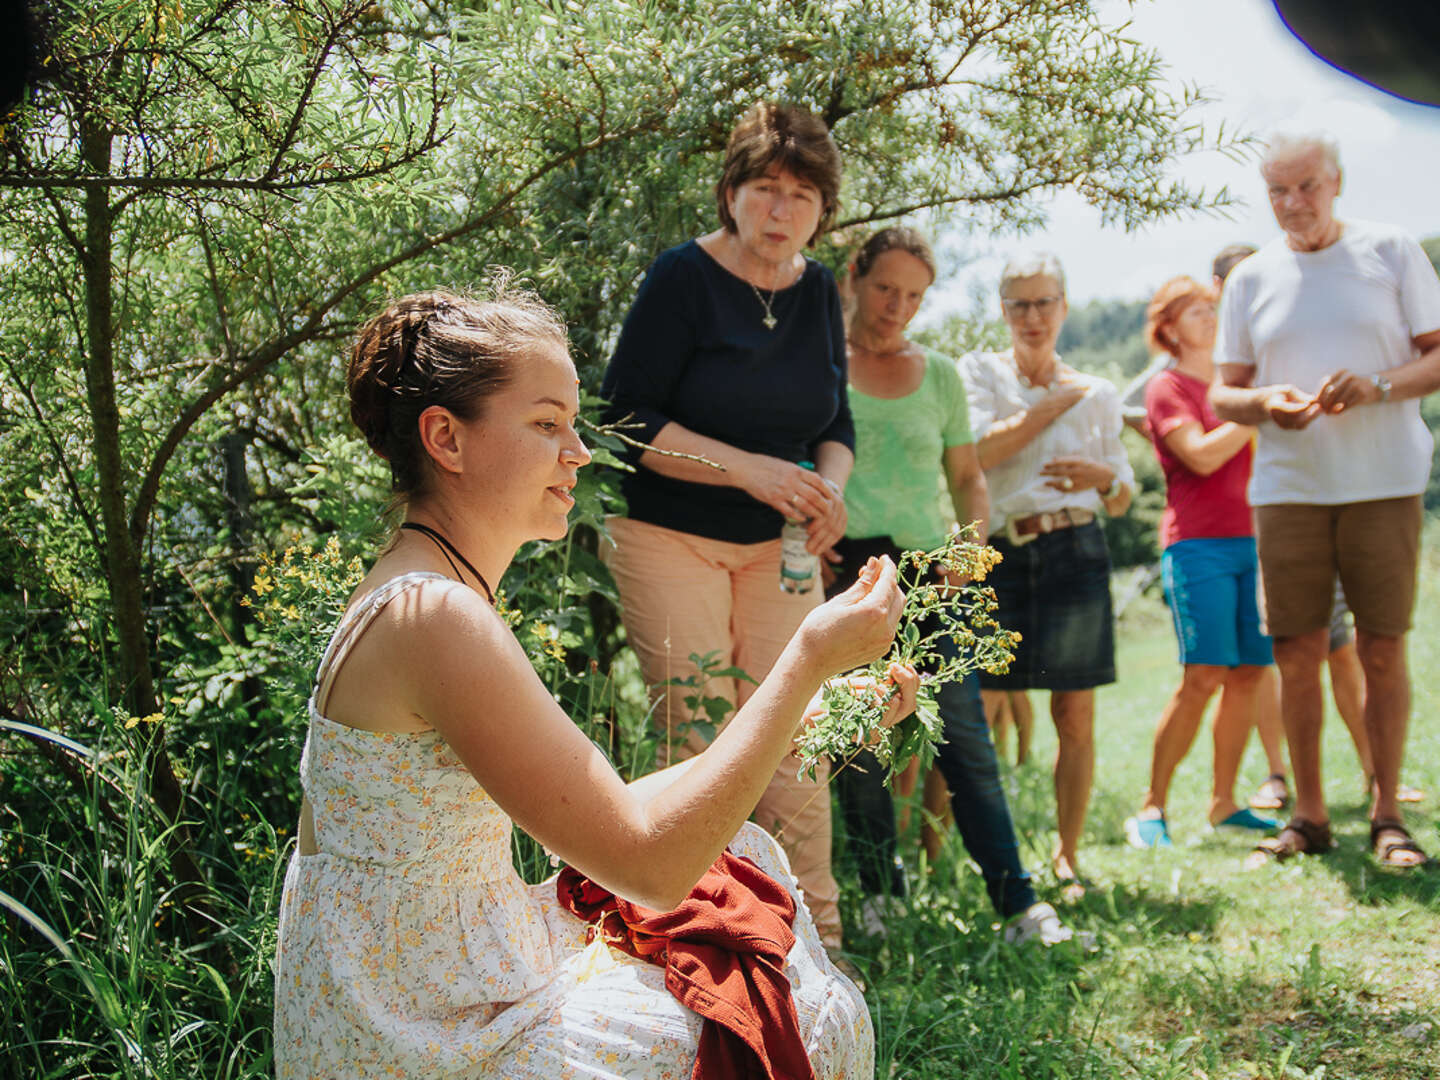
x,y
356,621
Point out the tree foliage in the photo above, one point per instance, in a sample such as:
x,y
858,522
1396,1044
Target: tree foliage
x,y
201,200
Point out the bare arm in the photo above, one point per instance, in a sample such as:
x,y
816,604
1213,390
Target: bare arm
x,y
1201,451
1234,397
1005,438
969,494
1415,378
469,678
1117,504
782,485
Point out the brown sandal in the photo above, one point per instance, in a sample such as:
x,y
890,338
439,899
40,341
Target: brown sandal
x,y
1389,838
1273,794
1298,837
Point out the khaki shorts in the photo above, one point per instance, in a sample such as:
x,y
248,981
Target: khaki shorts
x,y
1373,546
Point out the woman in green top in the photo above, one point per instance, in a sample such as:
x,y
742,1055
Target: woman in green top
x,y
911,430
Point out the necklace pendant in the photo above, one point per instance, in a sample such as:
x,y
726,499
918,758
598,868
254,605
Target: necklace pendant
x,y
769,321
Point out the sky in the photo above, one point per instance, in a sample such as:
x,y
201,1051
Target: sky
x,y
1262,79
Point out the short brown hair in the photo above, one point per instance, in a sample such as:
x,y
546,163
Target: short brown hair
x,y
439,348
895,238
1167,305
1230,256
787,136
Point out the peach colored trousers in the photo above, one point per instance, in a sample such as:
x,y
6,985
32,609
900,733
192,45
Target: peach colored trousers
x,y
683,594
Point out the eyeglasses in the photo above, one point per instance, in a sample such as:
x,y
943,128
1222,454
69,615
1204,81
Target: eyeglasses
x,y
1044,305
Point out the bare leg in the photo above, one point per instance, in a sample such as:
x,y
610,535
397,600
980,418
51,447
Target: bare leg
x,y
1024,716
1274,792
1347,687
1387,714
1176,731
1267,721
997,715
936,817
1302,707
1074,714
1232,728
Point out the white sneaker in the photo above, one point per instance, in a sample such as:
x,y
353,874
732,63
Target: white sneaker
x,y
875,911
1039,922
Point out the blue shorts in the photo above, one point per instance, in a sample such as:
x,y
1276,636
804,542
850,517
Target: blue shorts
x,y
1210,584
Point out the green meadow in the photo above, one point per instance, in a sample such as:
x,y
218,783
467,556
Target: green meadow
x,y
1200,969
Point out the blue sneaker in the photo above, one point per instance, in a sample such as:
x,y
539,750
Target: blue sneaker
x,y
1147,832
1248,821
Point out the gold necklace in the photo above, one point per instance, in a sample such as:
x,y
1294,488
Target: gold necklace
x,y
769,320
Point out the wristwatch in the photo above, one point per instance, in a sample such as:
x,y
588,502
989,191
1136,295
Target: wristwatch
x,y
1113,490
1383,385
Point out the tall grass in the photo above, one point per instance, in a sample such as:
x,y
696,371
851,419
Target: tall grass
x,y
104,971
1325,967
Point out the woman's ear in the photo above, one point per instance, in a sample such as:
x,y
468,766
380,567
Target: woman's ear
x,y
439,430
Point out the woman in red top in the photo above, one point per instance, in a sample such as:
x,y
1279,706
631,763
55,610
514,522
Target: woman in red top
x,y
1209,562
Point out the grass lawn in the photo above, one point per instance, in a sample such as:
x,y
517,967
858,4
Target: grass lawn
x,y
1324,967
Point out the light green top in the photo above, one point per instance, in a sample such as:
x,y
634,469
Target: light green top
x,y
899,477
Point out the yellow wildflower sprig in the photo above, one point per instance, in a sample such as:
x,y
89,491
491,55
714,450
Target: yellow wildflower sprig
x,y
933,611
298,596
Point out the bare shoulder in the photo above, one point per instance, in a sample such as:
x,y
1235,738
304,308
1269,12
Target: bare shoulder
x,y
431,630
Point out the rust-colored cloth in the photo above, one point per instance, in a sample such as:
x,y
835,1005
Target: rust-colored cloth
x,y
723,950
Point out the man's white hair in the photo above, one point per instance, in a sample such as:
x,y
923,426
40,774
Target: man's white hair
x,y
1283,145
1031,264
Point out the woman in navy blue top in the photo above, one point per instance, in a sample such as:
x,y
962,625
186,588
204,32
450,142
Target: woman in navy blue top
x,y
734,354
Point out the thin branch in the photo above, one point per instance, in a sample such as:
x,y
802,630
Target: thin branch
x,y
302,102
222,183
216,291
62,220
996,195
268,354
614,431
218,624
69,477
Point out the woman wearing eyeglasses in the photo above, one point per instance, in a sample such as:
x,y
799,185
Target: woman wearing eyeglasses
x,y
1048,438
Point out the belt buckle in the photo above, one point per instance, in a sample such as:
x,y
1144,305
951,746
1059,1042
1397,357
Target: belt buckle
x,y
1014,537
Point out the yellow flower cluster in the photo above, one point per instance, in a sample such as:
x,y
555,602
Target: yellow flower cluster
x,y
283,585
512,616
547,639
972,560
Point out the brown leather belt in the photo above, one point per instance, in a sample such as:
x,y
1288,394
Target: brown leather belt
x,y
1022,530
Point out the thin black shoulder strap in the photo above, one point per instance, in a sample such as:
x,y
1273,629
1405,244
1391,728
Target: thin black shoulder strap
x,y
447,549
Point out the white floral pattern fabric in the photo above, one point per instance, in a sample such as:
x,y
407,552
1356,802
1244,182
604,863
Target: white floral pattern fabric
x,y
409,947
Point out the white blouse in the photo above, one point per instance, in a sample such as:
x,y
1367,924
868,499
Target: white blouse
x,y
1089,428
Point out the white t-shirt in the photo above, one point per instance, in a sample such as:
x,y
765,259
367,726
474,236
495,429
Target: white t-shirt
x,y
1298,316
1090,428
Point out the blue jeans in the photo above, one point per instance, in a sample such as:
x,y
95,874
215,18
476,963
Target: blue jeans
x,y
967,761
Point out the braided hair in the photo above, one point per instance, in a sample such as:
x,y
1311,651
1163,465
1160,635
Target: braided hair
x,y
438,348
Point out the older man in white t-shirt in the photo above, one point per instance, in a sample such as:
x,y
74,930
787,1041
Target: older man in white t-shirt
x,y
1329,336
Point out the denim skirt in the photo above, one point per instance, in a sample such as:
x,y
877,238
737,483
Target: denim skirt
x,y
1055,590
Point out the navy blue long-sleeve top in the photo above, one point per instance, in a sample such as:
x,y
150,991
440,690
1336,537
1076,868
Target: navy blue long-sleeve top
x,y
694,350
